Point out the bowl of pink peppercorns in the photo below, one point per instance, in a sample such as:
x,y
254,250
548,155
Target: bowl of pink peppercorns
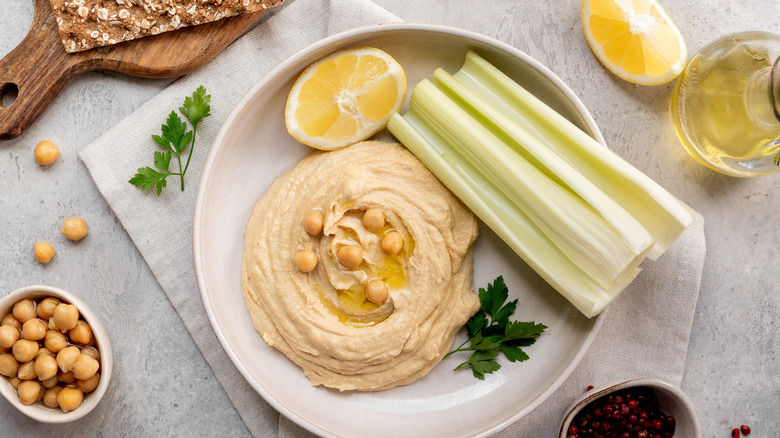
x,y
637,408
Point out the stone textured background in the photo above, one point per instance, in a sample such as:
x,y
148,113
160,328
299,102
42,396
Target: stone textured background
x,y
161,384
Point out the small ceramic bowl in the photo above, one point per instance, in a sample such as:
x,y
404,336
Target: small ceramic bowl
x,y
672,401
38,411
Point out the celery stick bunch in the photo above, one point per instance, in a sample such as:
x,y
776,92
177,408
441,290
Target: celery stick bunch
x,y
579,215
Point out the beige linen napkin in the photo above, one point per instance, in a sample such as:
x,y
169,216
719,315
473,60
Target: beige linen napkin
x,y
646,332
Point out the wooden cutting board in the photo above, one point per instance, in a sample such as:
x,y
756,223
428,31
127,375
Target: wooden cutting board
x,y
39,67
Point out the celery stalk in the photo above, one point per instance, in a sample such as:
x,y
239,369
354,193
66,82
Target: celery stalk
x,y
581,233
515,228
657,210
547,161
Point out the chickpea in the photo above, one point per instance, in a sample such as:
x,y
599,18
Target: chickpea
x,y
43,252
8,365
81,334
46,153
306,261
33,329
14,381
91,352
392,242
313,222
350,255
52,325
46,367
85,367
373,219
54,341
29,390
46,308
67,357
69,398
50,382
27,371
376,291
66,377
66,316
43,351
50,397
24,310
74,228
90,384
24,350
8,335
11,320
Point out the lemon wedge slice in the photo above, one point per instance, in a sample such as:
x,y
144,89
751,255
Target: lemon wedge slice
x,y
634,39
345,97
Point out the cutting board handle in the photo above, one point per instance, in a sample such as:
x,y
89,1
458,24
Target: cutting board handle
x,y
38,68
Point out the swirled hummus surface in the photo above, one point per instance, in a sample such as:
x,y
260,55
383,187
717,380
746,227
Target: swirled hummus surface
x,y
322,320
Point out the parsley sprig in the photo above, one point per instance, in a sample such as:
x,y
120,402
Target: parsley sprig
x,y
490,332
175,139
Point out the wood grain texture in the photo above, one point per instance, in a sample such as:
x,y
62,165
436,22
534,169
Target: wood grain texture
x,y
40,67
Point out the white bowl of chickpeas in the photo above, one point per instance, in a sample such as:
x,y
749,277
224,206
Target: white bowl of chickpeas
x,y
55,356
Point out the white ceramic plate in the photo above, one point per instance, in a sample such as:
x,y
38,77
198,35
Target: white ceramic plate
x,y
254,144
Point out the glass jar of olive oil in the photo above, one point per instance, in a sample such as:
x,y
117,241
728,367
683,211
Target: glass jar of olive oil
x,y
726,105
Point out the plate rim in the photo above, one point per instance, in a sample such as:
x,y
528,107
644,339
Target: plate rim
x,y
197,214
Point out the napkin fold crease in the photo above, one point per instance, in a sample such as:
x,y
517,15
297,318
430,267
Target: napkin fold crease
x,y
646,330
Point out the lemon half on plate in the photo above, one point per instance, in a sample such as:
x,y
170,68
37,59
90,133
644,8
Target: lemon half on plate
x,y
634,39
345,97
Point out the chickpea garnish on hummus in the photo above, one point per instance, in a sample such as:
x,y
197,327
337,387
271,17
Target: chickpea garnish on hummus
x,y
386,280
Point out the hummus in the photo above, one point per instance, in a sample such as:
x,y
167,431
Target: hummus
x,y
322,319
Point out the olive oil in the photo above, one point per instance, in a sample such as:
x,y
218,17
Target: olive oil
x,y
723,107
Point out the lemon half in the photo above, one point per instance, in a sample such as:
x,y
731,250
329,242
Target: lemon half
x,y
345,97
634,39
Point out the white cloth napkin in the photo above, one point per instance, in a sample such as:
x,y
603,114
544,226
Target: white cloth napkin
x,y
646,331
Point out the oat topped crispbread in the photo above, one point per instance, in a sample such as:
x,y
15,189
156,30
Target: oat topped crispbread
x,y
85,24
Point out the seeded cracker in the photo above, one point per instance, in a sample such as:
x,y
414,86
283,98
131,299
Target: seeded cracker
x,y
85,24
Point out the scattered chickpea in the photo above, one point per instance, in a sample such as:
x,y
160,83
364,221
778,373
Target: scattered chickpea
x,y
43,252
376,291
89,385
33,329
29,390
46,367
392,242
373,219
74,228
350,255
85,367
8,365
50,397
46,153
24,310
69,398
8,335
24,350
313,222
67,357
46,308
66,316
306,261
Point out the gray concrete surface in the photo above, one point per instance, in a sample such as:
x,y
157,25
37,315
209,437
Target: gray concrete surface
x,y
163,387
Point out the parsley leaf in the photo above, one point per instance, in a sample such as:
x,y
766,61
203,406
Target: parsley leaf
x,y
491,332
175,138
